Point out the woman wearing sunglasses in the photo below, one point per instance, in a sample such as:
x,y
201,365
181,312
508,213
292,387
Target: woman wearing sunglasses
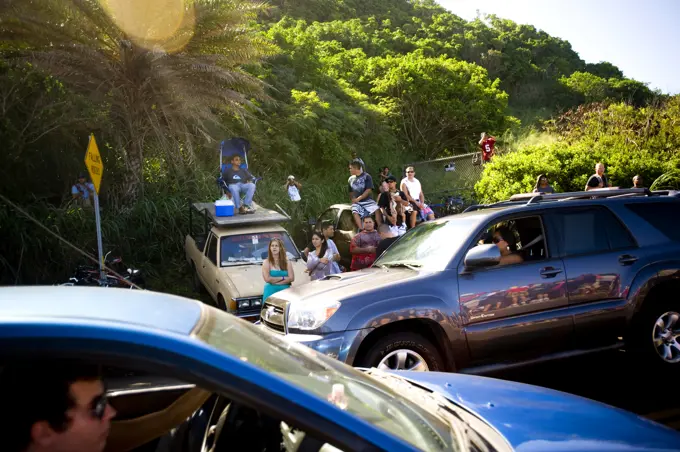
x,y
506,243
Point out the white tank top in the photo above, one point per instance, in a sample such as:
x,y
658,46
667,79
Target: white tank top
x,y
294,193
414,187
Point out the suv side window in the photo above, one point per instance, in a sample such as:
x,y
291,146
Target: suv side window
x,y
618,235
590,231
346,222
212,249
663,216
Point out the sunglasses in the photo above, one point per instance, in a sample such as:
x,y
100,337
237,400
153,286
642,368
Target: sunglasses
x,y
410,172
98,406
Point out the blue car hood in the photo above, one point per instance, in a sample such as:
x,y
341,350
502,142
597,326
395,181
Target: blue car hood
x,y
532,418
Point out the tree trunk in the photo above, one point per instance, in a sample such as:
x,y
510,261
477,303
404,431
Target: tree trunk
x,y
134,177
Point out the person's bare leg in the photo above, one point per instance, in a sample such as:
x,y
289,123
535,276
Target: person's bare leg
x,y
412,220
378,218
357,220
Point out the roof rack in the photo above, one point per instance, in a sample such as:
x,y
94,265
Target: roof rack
x,y
596,193
537,198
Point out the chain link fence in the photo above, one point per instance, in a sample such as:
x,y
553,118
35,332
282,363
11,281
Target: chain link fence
x,y
449,182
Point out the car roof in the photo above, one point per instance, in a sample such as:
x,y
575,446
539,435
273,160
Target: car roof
x,y
100,304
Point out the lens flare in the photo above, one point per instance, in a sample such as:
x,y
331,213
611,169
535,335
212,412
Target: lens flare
x,y
153,24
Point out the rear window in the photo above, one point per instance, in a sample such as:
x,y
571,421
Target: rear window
x,y
663,216
252,248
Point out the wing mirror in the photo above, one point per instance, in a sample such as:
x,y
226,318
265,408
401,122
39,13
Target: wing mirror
x,y
482,256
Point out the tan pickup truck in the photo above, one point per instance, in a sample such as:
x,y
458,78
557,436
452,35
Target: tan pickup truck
x,y
226,255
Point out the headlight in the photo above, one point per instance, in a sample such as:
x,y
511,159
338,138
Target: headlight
x,y
256,303
310,316
242,304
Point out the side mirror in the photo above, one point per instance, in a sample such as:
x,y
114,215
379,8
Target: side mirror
x,y
482,256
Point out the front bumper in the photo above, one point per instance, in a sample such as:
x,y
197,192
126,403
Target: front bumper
x,y
342,346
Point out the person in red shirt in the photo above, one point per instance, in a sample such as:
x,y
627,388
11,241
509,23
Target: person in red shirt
x,y
487,143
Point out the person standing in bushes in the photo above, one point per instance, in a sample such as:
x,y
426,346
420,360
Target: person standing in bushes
x,y
384,174
638,182
239,180
487,143
83,191
293,188
543,186
599,179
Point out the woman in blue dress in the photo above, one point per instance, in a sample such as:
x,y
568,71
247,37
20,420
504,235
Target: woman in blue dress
x,y
277,271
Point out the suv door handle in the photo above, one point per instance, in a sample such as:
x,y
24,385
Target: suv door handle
x,y
550,272
627,259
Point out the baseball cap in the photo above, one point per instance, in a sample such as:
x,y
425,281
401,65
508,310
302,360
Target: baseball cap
x,y
291,177
390,178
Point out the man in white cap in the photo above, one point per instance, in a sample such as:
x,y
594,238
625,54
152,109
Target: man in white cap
x,y
293,188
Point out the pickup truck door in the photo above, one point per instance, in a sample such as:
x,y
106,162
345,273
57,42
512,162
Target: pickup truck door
x,y
601,259
210,269
516,312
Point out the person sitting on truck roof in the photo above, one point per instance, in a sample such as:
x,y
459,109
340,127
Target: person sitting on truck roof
x,y
240,180
361,194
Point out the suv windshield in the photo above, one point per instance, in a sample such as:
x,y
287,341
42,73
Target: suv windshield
x,y
431,245
365,397
252,248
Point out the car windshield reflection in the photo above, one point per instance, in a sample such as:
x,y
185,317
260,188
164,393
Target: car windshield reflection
x,y
431,245
363,396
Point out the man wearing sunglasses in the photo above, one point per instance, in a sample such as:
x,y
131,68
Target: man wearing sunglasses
x,y
53,406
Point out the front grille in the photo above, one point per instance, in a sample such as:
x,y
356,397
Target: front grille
x,y
272,317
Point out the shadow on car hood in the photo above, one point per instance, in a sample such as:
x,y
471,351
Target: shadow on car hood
x,y
533,418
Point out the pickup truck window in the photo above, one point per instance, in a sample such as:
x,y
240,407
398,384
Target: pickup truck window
x,y
212,249
346,222
592,230
329,216
663,216
252,248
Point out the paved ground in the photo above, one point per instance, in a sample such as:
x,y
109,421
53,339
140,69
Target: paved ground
x,y
610,378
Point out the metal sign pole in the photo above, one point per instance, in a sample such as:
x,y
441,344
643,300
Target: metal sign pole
x,y
100,248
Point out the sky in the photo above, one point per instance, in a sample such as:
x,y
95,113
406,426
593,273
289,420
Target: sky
x,y
639,37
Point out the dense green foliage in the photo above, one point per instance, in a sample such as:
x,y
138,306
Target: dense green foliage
x,y
628,140
306,82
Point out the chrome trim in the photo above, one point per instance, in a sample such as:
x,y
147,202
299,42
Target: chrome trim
x,y
121,392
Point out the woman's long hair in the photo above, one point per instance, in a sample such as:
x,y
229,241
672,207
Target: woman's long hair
x,y
283,259
508,236
324,243
538,181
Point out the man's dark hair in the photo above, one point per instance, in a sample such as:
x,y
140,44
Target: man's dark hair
x,y
234,156
38,392
356,164
327,224
508,236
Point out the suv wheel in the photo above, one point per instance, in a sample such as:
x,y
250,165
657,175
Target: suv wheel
x,y
658,334
403,351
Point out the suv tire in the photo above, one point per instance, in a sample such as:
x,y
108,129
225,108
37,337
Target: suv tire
x,y
403,351
651,337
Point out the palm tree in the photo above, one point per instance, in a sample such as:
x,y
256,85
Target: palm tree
x,y
163,77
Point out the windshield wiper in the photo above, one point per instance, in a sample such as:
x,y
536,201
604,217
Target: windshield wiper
x,y
409,265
